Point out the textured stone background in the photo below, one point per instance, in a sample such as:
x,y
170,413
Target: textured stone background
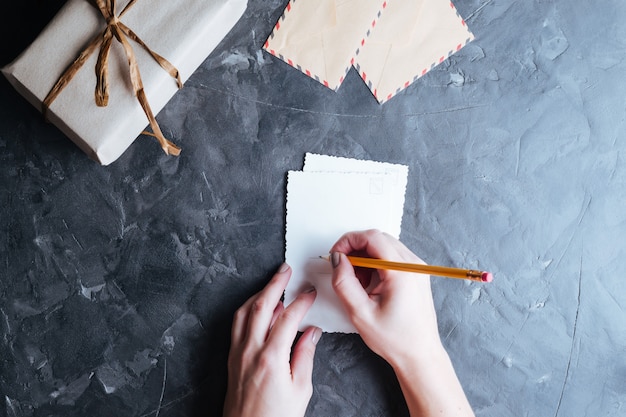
x,y
118,283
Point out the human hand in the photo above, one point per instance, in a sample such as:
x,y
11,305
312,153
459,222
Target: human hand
x,y
262,382
395,316
394,313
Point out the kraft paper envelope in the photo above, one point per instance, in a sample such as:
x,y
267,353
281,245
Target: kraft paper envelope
x,y
330,197
411,38
321,37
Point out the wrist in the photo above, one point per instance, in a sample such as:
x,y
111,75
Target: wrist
x,y
421,360
430,385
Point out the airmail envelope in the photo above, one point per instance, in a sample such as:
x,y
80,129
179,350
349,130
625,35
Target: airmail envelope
x,y
322,37
411,38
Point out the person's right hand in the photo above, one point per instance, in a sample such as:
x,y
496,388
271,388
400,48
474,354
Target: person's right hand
x,y
395,314
396,318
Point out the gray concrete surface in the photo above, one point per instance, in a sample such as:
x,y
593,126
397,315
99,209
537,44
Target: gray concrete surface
x,y
118,283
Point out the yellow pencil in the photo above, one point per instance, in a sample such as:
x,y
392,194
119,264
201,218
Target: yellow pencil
x,y
442,271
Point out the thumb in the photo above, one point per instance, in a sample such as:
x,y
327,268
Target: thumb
x,y
347,286
303,353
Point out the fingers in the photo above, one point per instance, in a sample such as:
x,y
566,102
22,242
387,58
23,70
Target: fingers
x,y
258,314
352,242
375,244
286,325
277,311
362,304
263,308
264,318
372,242
264,377
303,353
348,287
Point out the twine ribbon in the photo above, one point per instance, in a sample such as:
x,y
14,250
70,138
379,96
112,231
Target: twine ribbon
x,y
121,32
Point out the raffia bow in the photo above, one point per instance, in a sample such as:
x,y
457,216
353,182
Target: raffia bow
x,y
121,32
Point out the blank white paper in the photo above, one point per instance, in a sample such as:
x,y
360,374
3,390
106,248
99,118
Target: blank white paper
x,y
330,197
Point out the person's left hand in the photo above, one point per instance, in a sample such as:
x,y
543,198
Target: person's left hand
x,y
262,381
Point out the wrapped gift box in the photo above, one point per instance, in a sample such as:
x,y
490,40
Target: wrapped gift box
x,y
184,32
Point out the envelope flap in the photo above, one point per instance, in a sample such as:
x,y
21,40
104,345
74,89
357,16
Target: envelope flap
x,y
412,41
324,36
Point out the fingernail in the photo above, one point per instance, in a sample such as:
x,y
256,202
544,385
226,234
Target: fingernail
x,y
283,268
317,334
309,290
335,258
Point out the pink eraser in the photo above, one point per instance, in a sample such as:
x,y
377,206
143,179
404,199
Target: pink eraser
x,y
486,277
